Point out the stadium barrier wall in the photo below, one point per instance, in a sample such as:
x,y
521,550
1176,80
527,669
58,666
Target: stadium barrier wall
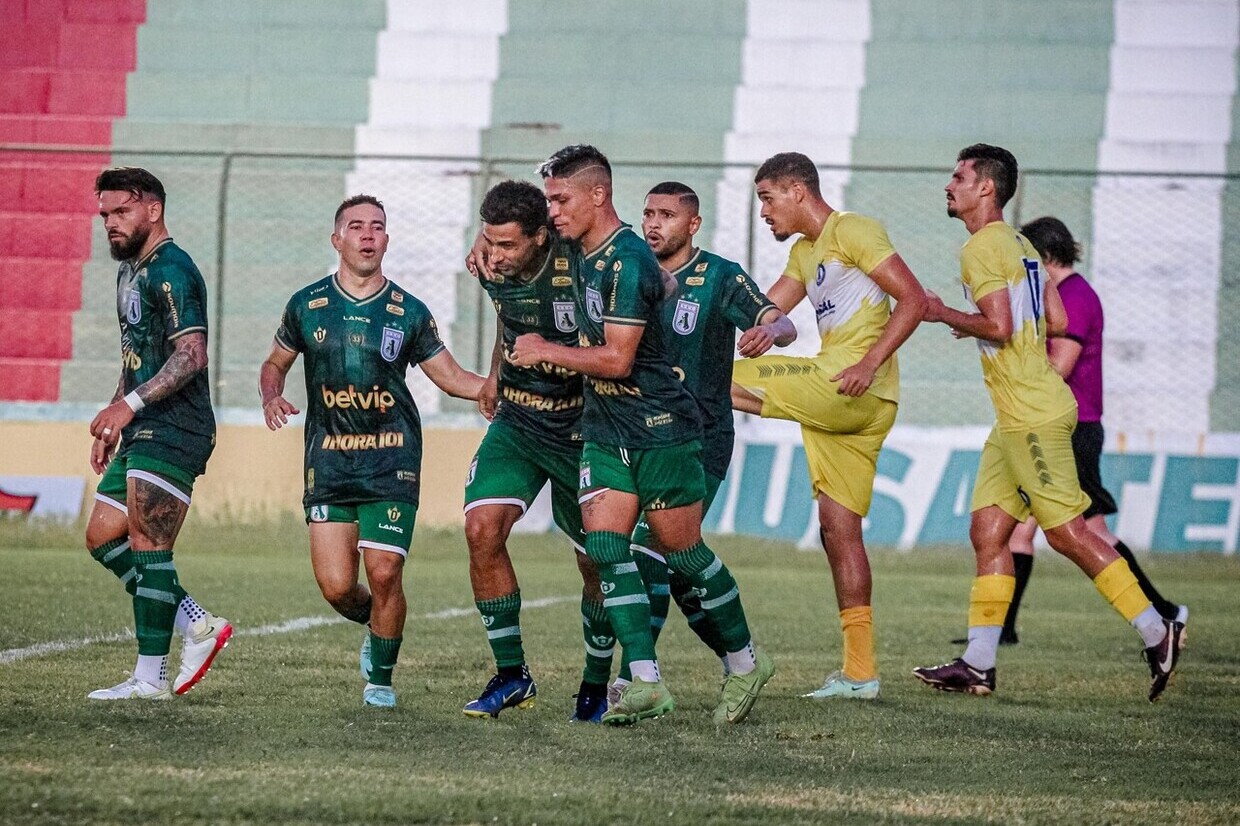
x,y
253,474
1173,497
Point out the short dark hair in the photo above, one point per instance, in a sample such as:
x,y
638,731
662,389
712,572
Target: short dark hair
x,y
1053,240
573,159
357,200
132,179
789,166
997,164
515,202
687,196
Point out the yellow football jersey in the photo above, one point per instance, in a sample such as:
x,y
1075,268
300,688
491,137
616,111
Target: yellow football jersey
x,y
851,309
1025,389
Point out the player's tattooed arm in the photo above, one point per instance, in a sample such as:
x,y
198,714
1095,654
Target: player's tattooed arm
x,y
120,388
188,359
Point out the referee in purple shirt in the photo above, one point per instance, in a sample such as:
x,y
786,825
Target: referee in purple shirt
x,y
1077,356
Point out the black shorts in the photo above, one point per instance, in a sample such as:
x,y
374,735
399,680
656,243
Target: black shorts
x,y
1087,448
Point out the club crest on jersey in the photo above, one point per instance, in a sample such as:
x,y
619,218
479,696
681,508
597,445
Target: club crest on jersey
x,y
392,340
565,316
594,303
822,275
320,334
133,307
686,316
318,513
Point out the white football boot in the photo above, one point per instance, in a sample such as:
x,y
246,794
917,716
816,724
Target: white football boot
x,y
132,689
207,637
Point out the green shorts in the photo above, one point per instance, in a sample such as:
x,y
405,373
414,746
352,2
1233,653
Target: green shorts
x,y
642,540
511,467
661,478
384,526
168,459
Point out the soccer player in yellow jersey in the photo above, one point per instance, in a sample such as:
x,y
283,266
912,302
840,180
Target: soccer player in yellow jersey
x,y
1027,464
844,398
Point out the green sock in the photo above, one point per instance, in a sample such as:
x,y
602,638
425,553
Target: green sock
x,y
155,601
654,576
715,587
383,653
117,558
600,642
502,618
690,605
624,594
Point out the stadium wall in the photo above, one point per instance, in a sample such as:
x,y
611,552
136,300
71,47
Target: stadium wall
x,y
1173,497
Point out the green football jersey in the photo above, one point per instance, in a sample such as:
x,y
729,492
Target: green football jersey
x,y
619,283
544,401
160,298
363,432
716,299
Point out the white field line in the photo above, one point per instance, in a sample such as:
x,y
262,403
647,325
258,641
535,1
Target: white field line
x,y
42,649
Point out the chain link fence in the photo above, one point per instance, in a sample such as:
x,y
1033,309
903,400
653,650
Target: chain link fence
x,y
1162,251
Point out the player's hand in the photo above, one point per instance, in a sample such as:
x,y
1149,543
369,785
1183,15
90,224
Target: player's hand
x,y
488,398
477,261
276,412
101,456
527,350
755,341
107,426
855,380
934,307
960,334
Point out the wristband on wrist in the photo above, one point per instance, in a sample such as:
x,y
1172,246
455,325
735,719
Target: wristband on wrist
x,y
134,401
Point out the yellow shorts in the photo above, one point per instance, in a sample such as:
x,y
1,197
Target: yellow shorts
x,y
1032,470
843,435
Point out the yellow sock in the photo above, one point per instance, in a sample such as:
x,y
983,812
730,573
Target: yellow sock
x,y
1121,589
989,599
858,626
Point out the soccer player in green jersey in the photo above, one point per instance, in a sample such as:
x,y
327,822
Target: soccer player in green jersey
x,y
162,408
359,334
715,300
642,433
534,438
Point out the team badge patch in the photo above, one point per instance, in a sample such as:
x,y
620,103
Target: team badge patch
x,y
394,310
561,264
565,316
701,267
594,303
315,303
320,334
133,307
318,513
695,281
822,275
392,340
686,316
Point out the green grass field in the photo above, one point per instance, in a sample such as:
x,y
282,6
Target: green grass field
x,y
277,733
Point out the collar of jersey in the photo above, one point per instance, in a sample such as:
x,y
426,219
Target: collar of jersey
x,y
387,284
608,240
693,258
139,263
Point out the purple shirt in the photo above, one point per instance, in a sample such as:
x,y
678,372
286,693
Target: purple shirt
x,y
1085,328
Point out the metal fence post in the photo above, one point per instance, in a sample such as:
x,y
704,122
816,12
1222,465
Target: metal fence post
x,y
221,236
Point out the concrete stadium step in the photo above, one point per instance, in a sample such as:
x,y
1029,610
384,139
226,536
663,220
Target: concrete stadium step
x,y
67,130
36,334
245,14
227,48
61,92
30,380
134,133
49,187
40,284
319,98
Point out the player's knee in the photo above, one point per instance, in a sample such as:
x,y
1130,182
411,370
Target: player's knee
x,y
384,572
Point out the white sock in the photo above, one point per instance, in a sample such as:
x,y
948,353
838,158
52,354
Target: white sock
x,y
983,646
1149,624
741,662
646,670
152,669
188,612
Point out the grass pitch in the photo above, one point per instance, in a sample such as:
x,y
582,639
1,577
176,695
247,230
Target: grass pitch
x,y
277,733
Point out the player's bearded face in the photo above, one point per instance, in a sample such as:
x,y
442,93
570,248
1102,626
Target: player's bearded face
x,y
127,221
510,251
665,224
962,189
778,208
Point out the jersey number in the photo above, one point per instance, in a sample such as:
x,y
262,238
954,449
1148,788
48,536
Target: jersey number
x,y
1033,278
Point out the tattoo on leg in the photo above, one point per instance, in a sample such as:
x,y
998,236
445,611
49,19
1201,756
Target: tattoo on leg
x,y
158,513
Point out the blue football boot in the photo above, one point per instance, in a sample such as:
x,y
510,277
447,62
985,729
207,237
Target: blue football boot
x,y
503,692
591,703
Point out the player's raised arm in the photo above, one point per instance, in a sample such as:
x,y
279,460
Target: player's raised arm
x,y
271,377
